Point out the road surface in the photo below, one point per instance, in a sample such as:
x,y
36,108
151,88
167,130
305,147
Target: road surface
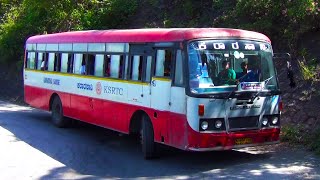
x,y
32,148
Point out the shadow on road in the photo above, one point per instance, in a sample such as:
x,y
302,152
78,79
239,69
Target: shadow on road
x,y
100,153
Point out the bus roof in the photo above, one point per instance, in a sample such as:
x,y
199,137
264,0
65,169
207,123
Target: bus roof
x,y
145,35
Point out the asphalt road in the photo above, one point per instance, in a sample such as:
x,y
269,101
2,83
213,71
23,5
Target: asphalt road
x,y
32,148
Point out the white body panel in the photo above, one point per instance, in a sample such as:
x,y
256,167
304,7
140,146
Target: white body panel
x,y
139,94
228,108
160,94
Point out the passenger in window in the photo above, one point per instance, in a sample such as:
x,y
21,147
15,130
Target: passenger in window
x,y
244,67
120,68
227,76
250,72
42,66
107,73
70,65
167,69
83,67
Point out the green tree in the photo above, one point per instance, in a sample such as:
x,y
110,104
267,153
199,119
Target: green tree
x,y
25,18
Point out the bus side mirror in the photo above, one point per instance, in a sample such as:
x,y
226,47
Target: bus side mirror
x,y
290,74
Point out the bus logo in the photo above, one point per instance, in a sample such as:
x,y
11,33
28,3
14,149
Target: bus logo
x,y
98,88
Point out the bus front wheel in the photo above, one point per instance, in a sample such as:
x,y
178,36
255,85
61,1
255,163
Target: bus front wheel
x,y
147,138
57,113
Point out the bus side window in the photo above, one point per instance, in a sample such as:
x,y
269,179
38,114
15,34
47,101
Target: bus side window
x,y
98,66
36,61
64,62
51,62
163,63
70,63
107,65
136,67
148,69
91,58
116,66
57,62
45,61
31,60
40,58
121,67
178,75
77,63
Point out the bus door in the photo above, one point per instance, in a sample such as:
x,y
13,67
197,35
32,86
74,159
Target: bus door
x,y
139,68
161,82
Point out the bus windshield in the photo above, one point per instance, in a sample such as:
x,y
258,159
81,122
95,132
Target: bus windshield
x,y
220,66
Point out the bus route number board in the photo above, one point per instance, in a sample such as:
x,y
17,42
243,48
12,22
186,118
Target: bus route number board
x,y
247,86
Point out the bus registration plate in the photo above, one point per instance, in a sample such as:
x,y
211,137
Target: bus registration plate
x,y
242,141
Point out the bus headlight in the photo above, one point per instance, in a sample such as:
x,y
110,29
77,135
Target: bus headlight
x,y
218,124
275,120
204,125
264,121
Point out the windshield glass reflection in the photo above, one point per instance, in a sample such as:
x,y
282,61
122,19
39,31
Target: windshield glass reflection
x,y
220,65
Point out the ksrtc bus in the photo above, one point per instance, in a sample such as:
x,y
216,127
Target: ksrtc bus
x,y
184,88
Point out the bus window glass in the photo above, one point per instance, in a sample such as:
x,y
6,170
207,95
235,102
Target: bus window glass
x,y
51,61
163,63
70,63
215,66
41,47
121,67
99,65
107,66
77,63
90,64
96,47
57,62
116,47
136,68
269,71
36,61
160,63
116,66
65,47
64,62
31,60
40,60
80,47
126,66
178,78
148,69
44,64
52,47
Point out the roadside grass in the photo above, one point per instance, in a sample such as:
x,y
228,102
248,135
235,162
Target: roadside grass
x,y
297,136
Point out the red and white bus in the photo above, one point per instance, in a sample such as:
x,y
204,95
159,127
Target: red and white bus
x,y
163,84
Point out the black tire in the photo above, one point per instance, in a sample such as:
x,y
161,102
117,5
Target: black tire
x,y
147,137
57,117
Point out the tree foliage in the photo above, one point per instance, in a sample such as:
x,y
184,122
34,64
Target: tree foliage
x,y
283,21
24,18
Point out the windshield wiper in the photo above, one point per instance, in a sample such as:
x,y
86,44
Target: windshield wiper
x,y
234,90
257,94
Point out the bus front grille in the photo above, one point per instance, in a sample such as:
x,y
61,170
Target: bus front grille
x,y
242,123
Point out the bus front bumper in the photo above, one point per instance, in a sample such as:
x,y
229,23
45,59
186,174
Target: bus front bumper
x,y
233,140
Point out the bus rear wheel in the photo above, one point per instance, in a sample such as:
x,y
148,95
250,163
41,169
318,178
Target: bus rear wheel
x,y
147,138
57,117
